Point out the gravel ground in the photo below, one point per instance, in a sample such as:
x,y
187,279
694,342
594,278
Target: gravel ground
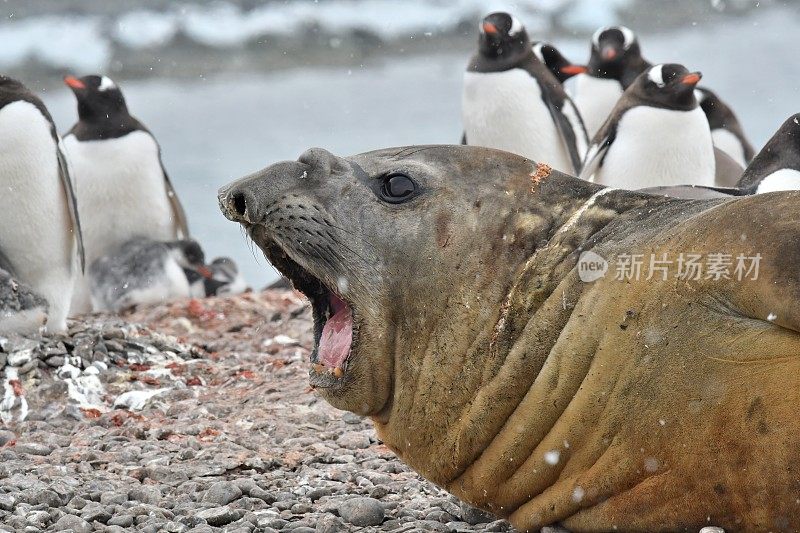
x,y
197,416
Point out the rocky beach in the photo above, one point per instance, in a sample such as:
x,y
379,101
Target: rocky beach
x,y
197,416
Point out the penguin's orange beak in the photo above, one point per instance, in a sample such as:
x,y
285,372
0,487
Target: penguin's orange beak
x,y
691,79
205,272
609,53
573,69
75,83
488,27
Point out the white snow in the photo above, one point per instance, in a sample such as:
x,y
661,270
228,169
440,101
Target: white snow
x,y
552,457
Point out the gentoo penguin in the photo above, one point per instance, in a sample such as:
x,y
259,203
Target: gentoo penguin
x,y
726,131
512,102
40,233
777,165
225,278
615,62
144,271
22,311
560,66
123,189
657,135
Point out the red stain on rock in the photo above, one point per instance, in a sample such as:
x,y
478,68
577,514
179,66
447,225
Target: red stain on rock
x,y
208,433
139,367
193,381
195,308
176,368
91,412
16,386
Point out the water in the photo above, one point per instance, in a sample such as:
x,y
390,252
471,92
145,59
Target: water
x,y
218,128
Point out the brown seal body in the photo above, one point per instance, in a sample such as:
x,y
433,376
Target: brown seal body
x,y
646,403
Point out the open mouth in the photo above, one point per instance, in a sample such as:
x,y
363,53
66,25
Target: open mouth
x,y
334,331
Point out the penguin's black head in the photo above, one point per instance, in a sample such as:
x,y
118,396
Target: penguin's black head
x,y
790,132
668,85
561,68
502,35
612,48
98,96
191,251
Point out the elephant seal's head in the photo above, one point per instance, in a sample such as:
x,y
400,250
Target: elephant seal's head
x,y
385,245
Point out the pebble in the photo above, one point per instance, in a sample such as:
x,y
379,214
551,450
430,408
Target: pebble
x,y
6,437
7,502
33,448
219,516
473,515
75,523
145,494
222,493
362,511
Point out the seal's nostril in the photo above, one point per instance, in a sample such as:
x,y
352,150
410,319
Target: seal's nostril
x,y
239,204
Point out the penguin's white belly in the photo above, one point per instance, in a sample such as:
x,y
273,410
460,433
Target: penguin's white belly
x,y
35,221
595,98
785,179
730,144
121,191
505,110
655,147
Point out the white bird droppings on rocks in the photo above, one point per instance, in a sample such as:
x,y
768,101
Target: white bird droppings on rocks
x,y
136,399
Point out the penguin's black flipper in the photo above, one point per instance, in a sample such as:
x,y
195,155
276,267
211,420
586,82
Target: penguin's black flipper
x,y
72,202
182,225
567,131
597,151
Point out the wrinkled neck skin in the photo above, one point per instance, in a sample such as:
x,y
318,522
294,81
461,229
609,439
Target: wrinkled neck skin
x,y
464,363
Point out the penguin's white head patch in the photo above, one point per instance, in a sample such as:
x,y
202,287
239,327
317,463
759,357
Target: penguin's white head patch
x,y
628,37
106,83
700,95
516,26
537,51
656,75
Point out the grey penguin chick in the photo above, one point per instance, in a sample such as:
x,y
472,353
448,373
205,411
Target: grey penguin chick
x,y
143,271
225,278
22,311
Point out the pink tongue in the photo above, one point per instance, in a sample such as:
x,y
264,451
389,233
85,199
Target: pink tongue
x,y
337,335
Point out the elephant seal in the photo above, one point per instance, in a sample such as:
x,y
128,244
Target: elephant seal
x,y
453,279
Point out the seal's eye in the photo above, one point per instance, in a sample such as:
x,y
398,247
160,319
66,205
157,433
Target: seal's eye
x,y
397,188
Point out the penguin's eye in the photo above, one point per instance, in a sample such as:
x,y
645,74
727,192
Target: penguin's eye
x,y
397,188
